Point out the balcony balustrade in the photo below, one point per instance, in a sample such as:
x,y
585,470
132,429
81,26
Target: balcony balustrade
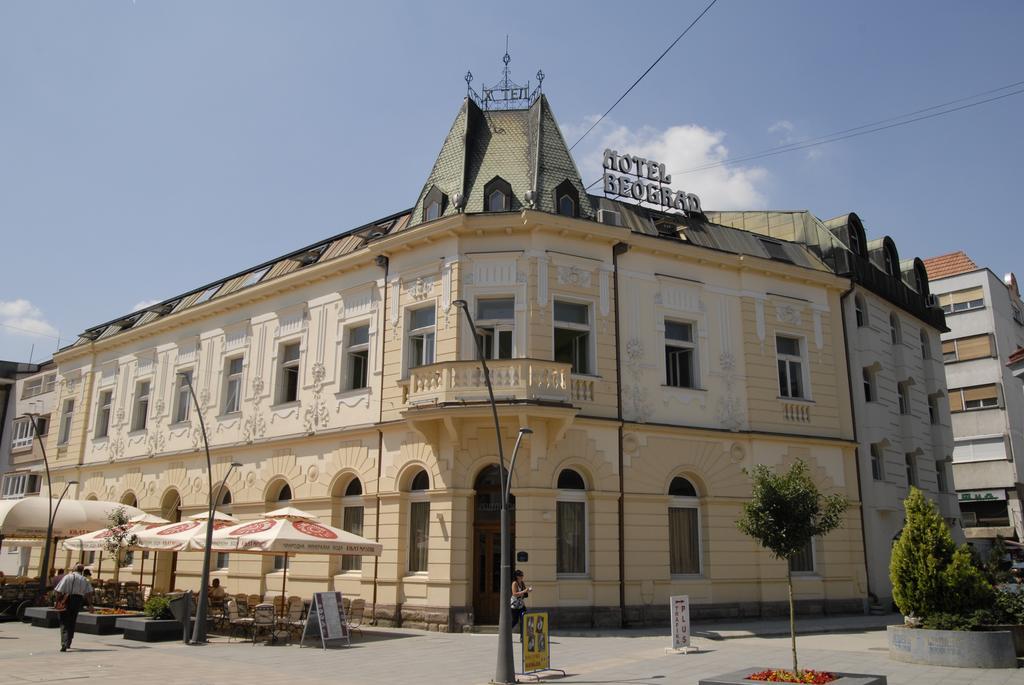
x,y
512,379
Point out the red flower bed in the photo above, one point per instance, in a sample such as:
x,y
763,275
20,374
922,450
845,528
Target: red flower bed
x,y
804,676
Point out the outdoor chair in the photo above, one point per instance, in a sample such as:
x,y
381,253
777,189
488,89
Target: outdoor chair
x,y
236,622
278,603
293,620
354,616
242,604
346,604
263,621
253,600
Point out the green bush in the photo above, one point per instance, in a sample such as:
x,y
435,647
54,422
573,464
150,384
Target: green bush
x,y
929,574
158,606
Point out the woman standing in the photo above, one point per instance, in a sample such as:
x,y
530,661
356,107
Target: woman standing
x,y
520,591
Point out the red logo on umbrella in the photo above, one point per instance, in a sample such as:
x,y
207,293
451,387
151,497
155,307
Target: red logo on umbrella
x,y
315,530
254,527
180,528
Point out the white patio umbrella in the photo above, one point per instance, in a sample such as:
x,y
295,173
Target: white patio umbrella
x,y
181,536
97,540
27,517
289,531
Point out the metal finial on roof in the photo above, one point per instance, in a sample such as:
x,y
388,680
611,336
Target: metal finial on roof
x,y
506,94
469,80
540,78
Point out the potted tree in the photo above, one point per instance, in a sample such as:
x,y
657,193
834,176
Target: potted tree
x,y
944,597
786,510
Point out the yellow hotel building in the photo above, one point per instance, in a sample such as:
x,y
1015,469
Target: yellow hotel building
x,y
656,357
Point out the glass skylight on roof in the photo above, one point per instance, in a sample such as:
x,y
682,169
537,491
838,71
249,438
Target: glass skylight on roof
x,y
775,250
207,294
254,277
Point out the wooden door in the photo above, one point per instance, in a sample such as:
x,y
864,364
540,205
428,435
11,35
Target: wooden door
x,y
486,575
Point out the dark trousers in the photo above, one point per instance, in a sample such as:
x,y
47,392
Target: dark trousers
x,y
68,617
517,615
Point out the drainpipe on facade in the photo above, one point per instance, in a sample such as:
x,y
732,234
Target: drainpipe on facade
x,y
384,263
620,249
856,449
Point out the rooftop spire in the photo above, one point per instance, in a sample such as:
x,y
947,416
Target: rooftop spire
x,y
506,94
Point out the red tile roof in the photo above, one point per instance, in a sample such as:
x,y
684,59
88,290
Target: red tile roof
x,y
949,265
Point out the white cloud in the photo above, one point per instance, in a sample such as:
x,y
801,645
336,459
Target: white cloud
x,y
142,304
21,317
680,148
787,131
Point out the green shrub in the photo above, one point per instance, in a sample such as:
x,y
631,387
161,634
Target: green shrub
x,y
1009,607
929,574
158,606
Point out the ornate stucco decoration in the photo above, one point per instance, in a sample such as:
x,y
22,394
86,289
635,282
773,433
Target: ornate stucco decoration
x,y
254,425
421,288
730,412
316,415
787,313
634,391
572,275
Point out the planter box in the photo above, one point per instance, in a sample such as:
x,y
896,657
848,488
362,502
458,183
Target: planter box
x,y
740,678
100,624
43,617
149,629
958,648
1018,636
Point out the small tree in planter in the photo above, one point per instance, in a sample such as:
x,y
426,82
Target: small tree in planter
x,y
119,526
930,576
784,512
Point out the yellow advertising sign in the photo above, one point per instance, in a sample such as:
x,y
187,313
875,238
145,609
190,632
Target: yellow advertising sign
x,y
536,656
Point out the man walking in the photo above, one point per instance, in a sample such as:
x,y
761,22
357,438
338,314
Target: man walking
x,y
73,591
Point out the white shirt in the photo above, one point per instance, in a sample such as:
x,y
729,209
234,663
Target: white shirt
x,y
74,584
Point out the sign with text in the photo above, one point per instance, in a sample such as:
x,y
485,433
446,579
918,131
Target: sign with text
x,y
645,181
536,656
981,495
679,610
326,619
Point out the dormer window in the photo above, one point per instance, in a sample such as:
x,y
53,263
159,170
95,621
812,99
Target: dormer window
x,y
497,195
434,204
567,199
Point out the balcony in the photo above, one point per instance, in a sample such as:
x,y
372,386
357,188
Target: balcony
x,y
514,380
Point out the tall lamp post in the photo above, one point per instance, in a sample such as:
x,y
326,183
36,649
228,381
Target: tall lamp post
x,y
44,568
199,629
505,671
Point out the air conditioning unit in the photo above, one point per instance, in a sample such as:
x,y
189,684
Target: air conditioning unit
x,y
933,300
607,216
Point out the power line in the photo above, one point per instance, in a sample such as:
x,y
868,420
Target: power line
x,y
861,130
653,64
857,130
26,330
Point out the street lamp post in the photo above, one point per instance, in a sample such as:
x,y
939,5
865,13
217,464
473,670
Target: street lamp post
x,y
199,629
44,568
505,669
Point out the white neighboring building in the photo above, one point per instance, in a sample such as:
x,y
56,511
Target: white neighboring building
x,y
32,389
893,327
986,321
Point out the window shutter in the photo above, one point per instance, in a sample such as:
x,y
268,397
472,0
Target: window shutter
x,y
956,402
968,295
981,392
974,347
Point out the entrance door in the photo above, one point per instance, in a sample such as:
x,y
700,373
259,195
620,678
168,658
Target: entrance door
x,y
487,546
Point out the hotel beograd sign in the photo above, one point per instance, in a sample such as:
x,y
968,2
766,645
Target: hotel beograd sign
x,y
645,181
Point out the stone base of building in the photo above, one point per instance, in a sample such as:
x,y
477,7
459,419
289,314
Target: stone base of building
x,y
458,619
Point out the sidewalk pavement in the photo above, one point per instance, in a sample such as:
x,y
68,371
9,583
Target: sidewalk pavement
x,y
381,656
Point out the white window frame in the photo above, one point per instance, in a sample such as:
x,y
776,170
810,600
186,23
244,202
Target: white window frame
x,y
233,378
676,502
140,419
575,496
430,210
895,329
23,432
424,332
569,325
903,397
878,459
913,474
572,205
418,496
356,502
497,326
104,407
814,561
351,350
182,396
283,367
16,485
67,414
934,415
691,344
504,200
860,311
801,359
941,479
870,384
926,344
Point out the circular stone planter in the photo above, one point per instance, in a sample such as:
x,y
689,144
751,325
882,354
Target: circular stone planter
x,y
958,648
740,678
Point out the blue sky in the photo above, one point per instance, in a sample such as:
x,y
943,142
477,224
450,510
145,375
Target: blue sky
x,y
148,147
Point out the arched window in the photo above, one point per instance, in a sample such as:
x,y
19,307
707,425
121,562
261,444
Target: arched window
x,y
892,259
419,523
567,199
284,497
895,333
571,526
926,345
683,528
860,306
350,517
223,560
497,195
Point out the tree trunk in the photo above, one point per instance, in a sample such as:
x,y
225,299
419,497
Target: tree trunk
x,y
792,619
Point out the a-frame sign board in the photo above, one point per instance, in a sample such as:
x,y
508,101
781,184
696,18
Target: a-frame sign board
x,y
326,620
